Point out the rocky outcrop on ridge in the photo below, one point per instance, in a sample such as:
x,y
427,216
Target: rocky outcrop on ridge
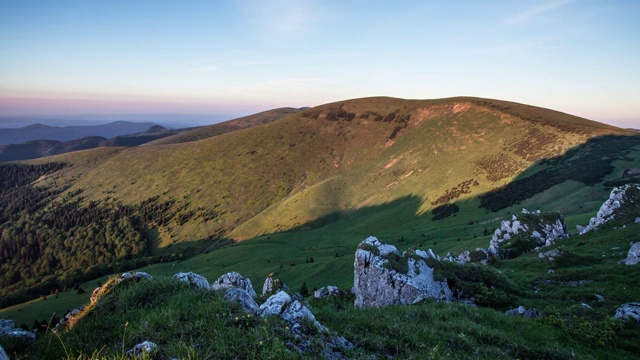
x,y
3,354
621,199
377,283
525,232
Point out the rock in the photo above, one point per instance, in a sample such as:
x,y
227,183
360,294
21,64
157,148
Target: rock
x,y
243,298
195,280
628,310
296,312
551,271
325,292
69,316
377,285
599,297
633,256
550,255
586,306
520,310
233,280
619,198
275,304
142,275
7,328
532,313
272,285
3,355
540,229
145,347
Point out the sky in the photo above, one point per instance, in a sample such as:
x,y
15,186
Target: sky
x,y
239,57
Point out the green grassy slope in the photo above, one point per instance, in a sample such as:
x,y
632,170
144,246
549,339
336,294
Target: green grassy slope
x,y
227,126
335,157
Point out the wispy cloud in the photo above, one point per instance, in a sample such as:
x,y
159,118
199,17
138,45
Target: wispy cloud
x,y
283,17
537,10
250,63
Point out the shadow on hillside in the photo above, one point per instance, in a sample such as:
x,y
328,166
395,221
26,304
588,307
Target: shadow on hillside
x,y
588,164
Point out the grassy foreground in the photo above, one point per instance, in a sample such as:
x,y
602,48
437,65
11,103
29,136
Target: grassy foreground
x,y
193,324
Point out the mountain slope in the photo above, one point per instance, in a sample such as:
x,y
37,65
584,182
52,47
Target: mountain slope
x,y
336,157
347,169
264,117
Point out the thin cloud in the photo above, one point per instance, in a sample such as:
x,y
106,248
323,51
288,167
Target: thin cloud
x,y
250,63
535,11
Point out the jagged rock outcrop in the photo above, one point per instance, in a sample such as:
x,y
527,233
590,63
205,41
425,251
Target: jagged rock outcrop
x,y
7,328
243,298
272,285
628,310
622,197
377,284
525,232
532,313
145,347
325,292
633,256
195,280
233,280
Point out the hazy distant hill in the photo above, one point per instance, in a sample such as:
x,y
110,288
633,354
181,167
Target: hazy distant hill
x,y
66,133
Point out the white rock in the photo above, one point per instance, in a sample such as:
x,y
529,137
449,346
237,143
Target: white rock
x,y
633,256
628,310
607,211
243,298
195,280
296,312
275,304
144,347
233,280
378,286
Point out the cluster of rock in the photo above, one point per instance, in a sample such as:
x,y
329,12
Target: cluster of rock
x,y
238,289
543,229
7,328
619,198
628,311
376,285
325,292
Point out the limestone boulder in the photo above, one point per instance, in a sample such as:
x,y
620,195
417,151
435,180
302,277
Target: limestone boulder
x,y
275,304
633,256
233,280
378,284
628,311
242,298
195,280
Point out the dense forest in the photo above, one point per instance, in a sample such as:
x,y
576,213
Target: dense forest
x,y
50,245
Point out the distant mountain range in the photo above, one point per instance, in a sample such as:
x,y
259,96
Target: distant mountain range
x,y
67,133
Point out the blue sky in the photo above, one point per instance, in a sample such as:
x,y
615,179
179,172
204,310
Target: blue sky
x,y
240,57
